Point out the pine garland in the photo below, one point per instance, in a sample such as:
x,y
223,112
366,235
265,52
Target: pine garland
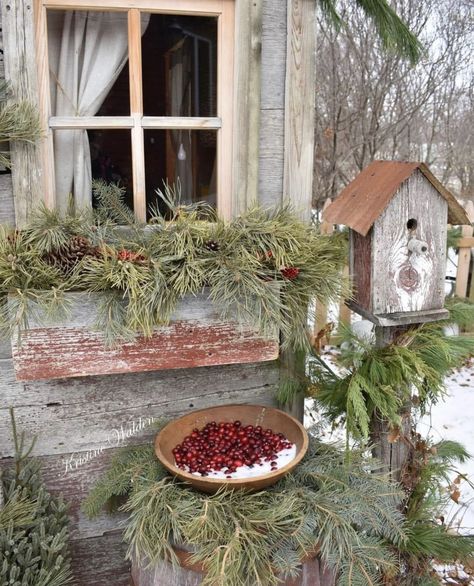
x,y
349,510
33,527
263,268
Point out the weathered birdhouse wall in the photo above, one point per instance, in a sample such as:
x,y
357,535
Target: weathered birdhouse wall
x,y
80,422
403,281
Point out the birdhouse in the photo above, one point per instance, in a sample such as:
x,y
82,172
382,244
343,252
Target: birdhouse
x,y
397,214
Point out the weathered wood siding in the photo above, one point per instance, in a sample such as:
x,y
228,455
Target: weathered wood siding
x,y
272,108
80,422
403,281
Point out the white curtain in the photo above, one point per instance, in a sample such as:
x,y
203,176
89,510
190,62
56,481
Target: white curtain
x,y
87,53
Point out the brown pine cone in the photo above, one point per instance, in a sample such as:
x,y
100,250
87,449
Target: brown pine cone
x,y
68,256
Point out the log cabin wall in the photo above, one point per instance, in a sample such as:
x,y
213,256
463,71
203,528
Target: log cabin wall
x,y
79,423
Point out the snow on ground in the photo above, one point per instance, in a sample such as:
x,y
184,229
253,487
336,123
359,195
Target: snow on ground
x,y
453,419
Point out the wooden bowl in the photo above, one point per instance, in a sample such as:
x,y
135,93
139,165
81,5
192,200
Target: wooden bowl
x,y
267,417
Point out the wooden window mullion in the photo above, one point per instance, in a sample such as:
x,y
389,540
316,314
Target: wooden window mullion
x,y
44,101
136,107
225,83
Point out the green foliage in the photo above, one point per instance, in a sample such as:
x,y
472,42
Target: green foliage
x,y
431,470
393,32
33,527
349,510
383,379
19,121
142,272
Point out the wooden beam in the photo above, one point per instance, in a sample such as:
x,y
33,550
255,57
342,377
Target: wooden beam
x,y
300,105
46,146
464,255
201,8
72,122
191,123
466,242
225,108
20,72
136,107
248,59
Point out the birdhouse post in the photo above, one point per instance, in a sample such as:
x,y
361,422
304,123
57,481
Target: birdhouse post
x,y
397,214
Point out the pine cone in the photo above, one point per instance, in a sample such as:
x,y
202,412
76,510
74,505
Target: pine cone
x,y
68,256
212,245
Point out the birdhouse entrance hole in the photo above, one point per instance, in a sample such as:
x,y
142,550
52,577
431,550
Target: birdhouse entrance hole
x,y
412,224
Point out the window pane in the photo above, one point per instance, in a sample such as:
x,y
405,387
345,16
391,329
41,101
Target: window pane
x,y
179,57
187,156
88,62
83,155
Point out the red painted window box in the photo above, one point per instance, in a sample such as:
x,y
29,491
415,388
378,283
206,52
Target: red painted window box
x,y
196,336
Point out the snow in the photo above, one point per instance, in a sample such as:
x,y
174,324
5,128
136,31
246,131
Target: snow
x,y
452,419
283,458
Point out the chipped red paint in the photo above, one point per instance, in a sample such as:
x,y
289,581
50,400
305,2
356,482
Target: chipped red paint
x,y
58,352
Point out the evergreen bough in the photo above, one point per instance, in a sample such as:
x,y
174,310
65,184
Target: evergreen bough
x,y
33,527
141,272
346,508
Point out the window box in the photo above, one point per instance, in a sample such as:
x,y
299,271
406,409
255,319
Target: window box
x,y
196,336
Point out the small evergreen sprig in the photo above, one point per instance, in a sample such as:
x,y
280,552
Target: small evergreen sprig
x,y
19,121
383,379
33,526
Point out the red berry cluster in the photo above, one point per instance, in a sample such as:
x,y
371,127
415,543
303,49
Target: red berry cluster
x,y
290,273
227,446
129,256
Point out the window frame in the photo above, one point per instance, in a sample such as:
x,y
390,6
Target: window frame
x,y
223,123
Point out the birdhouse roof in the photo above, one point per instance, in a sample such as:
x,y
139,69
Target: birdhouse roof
x,y
364,199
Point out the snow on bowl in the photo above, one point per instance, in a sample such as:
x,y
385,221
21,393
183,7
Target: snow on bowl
x,y
257,415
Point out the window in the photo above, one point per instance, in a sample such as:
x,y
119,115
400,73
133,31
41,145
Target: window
x,y
138,96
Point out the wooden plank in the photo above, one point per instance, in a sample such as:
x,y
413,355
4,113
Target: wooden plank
x,y
136,108
300,105
361,267
183,123
466,241
313,573
403,281
68,352
20,72
7,208
46,145
270,186
273,68
196,336
248,55
464,254
85,412
72,122
202,8
399,318
100,561
225,108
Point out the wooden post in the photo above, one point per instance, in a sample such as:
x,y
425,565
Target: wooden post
x,y
464,255
392,449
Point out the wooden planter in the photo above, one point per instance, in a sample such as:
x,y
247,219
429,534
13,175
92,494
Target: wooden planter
x,y
196,336
313,573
